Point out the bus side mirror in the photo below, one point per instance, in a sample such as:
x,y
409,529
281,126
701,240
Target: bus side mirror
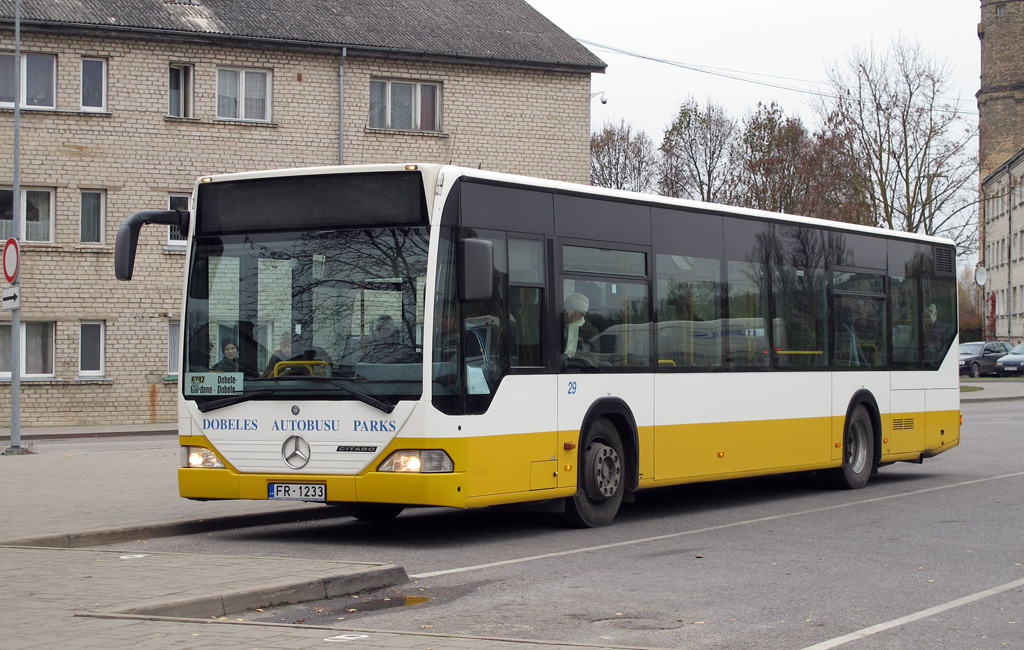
x,y
128,236
476,270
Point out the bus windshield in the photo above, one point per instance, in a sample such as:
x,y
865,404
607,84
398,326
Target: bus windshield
x,y
317,314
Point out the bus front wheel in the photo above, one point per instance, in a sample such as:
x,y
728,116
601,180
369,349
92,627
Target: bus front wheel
x,y
602,477
858,452
375,511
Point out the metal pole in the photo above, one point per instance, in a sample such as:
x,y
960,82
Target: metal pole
x,y
15,447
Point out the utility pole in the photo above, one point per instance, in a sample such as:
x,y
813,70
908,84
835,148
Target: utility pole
x,y
15,447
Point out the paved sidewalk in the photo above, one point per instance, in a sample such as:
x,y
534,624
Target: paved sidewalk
x,y
993,389
56,593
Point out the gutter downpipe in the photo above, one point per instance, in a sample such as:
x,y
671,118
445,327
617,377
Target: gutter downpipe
x,y
341,107
1009,259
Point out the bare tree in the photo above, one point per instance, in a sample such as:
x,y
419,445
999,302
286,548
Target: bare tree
x,y
622,159
770,173
972,305
916,145
783,167
836,181
696,153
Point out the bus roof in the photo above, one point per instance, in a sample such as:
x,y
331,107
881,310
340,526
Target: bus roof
x,y
432,172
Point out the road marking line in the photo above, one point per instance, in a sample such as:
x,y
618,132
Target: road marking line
x,y
910,618
658,538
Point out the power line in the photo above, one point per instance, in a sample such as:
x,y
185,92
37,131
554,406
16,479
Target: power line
x,y
744,76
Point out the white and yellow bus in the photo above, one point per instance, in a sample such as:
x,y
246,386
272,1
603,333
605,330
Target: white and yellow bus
x,y
420,335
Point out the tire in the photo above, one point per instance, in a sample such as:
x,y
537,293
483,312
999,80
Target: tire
x,y
375,511
975,370
858,452
602,477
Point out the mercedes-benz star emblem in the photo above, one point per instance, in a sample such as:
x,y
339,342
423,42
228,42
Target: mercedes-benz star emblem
x,y
295,452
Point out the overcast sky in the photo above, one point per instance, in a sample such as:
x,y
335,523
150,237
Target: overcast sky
x,y
787,43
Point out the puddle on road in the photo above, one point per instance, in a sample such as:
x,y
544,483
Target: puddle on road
x,y
377,604
336,610
640,624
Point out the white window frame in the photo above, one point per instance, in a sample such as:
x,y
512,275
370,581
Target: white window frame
x,y
24,212
243,114
92,372
417,98
23,91
186,74
102,108
102,216
173,348
6,374
173,242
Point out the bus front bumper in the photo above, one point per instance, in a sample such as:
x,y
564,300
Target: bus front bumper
x,y
441,489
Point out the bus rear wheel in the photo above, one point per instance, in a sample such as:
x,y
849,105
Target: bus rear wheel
x,y
602,477
858,452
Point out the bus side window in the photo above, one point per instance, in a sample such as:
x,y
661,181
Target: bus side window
x,y
526,301
525,313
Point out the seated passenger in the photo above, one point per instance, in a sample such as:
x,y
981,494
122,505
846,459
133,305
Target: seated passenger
x,y
385,344
230,361
283,353
576,330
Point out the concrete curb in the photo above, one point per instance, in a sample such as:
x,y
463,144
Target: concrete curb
x,y
270,595
72,434
103,536
1010,398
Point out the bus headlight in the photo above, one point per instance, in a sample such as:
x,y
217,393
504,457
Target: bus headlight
x,y
418,461
195,457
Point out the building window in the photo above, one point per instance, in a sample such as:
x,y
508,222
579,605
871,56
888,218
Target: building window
x,y
175,235
243,94
173,332
92,217
406,105
94,84
36,350
38,81
1000,10
179,91
91,348
36,214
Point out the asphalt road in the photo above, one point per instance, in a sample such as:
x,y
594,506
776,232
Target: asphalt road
x,y
925,556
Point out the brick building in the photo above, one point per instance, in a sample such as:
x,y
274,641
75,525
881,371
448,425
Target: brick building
x,y
1001,161
124,104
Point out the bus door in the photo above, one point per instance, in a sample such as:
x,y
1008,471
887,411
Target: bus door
x,y
605,340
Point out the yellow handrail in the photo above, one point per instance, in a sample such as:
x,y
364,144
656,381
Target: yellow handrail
x,y
311,368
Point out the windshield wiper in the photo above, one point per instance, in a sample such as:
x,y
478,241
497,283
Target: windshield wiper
x,y
234,399
380,405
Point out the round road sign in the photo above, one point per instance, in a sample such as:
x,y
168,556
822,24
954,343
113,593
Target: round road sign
x,y
11,260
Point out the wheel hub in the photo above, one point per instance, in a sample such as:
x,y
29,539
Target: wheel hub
x,y
605,471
